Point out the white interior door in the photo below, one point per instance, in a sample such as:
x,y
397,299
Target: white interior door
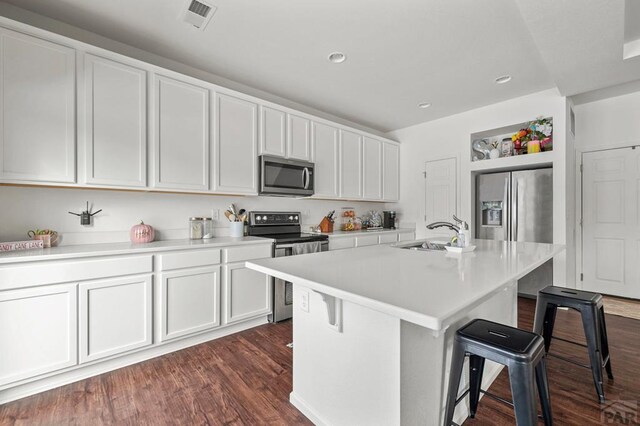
x,y
611,227
441,192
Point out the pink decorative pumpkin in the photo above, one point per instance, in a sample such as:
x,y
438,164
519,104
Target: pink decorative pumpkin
x,y
142,233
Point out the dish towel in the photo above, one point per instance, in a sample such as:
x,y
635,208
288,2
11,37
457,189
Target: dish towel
x,y
304,248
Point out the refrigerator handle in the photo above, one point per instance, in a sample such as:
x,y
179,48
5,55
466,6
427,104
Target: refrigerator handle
x,y
514,211
507,208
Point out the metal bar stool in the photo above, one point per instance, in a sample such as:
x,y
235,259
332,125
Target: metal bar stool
x,y
591,309
521,351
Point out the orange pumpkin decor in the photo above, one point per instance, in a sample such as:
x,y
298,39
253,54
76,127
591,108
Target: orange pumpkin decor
x,y
142,233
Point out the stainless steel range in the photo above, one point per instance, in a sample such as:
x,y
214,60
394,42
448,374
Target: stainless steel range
x,y
285,229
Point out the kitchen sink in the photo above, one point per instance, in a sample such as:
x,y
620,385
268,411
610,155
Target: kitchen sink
x,y
424,246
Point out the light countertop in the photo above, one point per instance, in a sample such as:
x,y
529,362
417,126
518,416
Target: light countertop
x,y
425,288
114,249
337,233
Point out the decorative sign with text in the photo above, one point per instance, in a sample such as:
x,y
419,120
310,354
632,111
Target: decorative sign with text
x,y
21,245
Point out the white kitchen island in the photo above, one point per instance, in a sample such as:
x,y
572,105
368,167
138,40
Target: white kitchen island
x,y
373,327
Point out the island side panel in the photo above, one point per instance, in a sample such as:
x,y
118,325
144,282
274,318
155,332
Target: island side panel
x,y
426,360
349,376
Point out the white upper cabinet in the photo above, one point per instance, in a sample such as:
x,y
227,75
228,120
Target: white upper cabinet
x,y
235,154
115,114
372,164
325,155
181,140
350,165
273,132
37,103
298,138
391,172
284,135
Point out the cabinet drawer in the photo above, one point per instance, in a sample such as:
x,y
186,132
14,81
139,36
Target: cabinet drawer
x,y
367,240
54,272
341,243
406,236
188,259
388,238
239,254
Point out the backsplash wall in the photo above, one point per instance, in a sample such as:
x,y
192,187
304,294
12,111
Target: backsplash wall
x,y
26,208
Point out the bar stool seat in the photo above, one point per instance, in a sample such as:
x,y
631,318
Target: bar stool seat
x,y
591,308
523,354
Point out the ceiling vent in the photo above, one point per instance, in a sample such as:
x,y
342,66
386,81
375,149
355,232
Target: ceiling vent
x,y
198,13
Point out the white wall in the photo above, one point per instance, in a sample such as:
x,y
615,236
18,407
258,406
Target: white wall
x,y
604,123
26,208
450,137
608,123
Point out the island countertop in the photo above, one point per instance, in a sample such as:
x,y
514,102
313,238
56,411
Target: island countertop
x,y
422,287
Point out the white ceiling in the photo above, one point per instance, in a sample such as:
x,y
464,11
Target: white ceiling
x,y
399,53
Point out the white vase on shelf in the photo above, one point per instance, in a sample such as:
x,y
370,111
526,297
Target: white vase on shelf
x,y
494,153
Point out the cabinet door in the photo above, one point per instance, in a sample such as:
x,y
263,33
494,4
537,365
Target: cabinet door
x,y
406,236
37,120
298,138
189,301
115,316
273,132
39,331
236,145
116,123
181,142
391,172
350,165
372,164
325,155
247,293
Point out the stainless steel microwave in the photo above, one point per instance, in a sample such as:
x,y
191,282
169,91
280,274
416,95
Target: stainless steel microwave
x,y
284,177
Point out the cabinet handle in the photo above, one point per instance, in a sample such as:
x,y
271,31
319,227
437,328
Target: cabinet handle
x,y
305,177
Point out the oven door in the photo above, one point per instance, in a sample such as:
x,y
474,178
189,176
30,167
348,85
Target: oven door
x,y
280,176
283,290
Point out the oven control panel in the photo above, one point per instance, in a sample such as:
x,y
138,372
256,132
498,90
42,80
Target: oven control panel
x,y
274,218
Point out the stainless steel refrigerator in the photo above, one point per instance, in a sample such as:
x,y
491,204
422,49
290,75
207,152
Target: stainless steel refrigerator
x,y
518,206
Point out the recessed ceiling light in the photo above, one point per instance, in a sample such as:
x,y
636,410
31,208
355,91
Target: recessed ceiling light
x,y
337,57
503,79
424,105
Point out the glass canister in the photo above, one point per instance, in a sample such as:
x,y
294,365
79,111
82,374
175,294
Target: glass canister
x,y
196,228
347,219
207,232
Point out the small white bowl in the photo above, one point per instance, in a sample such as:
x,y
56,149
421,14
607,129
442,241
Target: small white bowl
x,y
460,249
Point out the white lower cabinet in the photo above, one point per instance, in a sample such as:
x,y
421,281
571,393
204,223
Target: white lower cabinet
x,y
39,331
341,243
246,293
406,236
189,301
115,316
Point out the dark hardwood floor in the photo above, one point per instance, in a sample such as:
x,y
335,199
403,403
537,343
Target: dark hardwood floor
x,y
246,379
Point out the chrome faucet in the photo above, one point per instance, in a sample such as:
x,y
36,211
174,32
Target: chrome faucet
x,y
449,225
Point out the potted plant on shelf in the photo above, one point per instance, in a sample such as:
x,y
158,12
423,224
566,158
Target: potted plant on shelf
x,y
520,139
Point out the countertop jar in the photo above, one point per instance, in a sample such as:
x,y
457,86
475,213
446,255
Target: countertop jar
x,y
207,232
196,228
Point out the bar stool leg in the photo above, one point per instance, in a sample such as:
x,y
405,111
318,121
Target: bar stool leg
x,y
457,365
590,322
539,318
549,322
605,342
543,391
476,368
522,377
